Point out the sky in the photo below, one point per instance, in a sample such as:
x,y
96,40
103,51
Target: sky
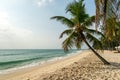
x,y
26,24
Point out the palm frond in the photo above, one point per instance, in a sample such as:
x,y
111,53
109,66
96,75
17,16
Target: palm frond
x,y
77,10
92,31
68,42
71,8
64,20
89,21
67,32
96,43
78,42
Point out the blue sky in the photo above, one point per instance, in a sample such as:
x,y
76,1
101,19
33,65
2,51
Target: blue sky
x,y
26,24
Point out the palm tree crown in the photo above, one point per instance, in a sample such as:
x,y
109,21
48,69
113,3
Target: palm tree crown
x,y
77,25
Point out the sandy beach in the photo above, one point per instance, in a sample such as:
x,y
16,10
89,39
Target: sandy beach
x,y
83,66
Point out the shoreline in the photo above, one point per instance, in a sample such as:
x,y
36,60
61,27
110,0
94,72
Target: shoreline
x,y
83,66
7,71
47,67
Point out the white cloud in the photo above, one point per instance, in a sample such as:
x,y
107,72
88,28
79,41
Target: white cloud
x,y
17,37
11,36
7,28
3,18
43,2
14,37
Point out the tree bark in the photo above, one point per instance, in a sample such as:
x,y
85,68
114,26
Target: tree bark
x,y
97,54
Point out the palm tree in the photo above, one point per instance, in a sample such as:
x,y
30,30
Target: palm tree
x,y
110,10
107,8
78,30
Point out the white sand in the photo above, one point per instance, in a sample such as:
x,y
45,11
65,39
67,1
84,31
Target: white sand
x,y
89,68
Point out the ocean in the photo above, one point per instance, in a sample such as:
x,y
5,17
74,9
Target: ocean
x,y
12,59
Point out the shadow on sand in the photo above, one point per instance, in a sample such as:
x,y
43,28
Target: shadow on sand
x,y
113,66
117,52
117,65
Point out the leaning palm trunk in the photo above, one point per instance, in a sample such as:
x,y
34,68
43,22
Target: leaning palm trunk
x,y
97,54
77,24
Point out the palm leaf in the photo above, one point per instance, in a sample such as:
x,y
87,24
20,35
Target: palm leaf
x,y
64,20
94,40
68,42
94,32
78,41
77,10
67,32
89,21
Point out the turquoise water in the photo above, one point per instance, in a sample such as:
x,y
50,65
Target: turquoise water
x,y
17,58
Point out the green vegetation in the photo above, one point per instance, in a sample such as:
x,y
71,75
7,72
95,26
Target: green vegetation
x,y
109,21
78,28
